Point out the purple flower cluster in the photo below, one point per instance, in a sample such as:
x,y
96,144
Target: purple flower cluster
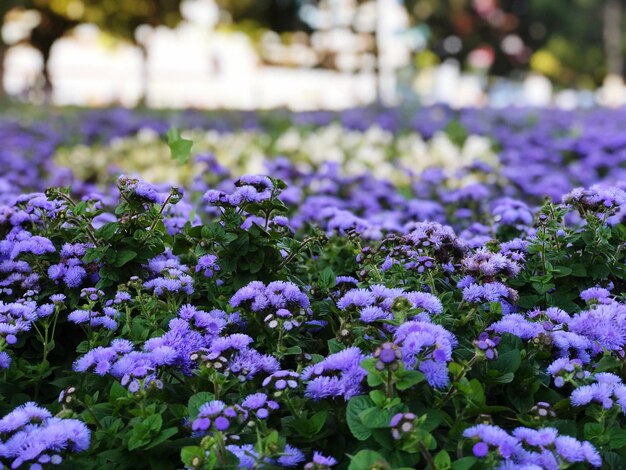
x,y
248,189
143,190
596,198
216,416
15,318
542,448
281,304
337,375
207,265
488,345
259,405
402,424
95,319
70,268
489,292
320,462
565,370
582,336
231,355
30,435
170,276
377,302
281,381
513,212
249,458
427,347
425,246
489,265
192,331
596,295
135,370
604,325
607,390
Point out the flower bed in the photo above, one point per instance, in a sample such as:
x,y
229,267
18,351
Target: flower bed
x,y
438,314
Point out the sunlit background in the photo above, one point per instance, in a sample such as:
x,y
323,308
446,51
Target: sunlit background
x,y
304,54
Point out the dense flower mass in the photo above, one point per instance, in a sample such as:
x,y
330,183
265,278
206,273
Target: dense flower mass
x,y
32,436
390,288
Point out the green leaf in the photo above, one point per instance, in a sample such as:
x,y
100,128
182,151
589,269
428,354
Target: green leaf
x,y
509,361
378,397
196,401
327,278
137,440
504,378
117,391
593,431
408,378
179,147
335,346
607,363
366,460
375,418
495,308
189,453
107,231
153,422
142,431
528,301
80,208
162,437
562,271
433,419
599,271
617,438
309,427
123,257
464,464
356,405
579,270
293,350
442,460
473,390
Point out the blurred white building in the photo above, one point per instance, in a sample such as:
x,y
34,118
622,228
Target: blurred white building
x,y
196,65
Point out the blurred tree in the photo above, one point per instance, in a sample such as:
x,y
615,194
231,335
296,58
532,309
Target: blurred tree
x,y
568,33
5,7
276,15
559,36
119,18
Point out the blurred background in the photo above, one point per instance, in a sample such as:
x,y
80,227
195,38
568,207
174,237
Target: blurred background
x,y
305,54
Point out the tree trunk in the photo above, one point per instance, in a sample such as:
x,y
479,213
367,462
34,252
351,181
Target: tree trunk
x,y
3,49
50,28
45,74
145,76
612,32
378,83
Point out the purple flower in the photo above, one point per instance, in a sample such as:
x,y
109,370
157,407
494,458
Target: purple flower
x,y
542,448
402,425
427,347
31,434
207,264
339,374
607,390
480,449
291,457
259,404
603,324
320,462
281,380
517,325
598,294
216,416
